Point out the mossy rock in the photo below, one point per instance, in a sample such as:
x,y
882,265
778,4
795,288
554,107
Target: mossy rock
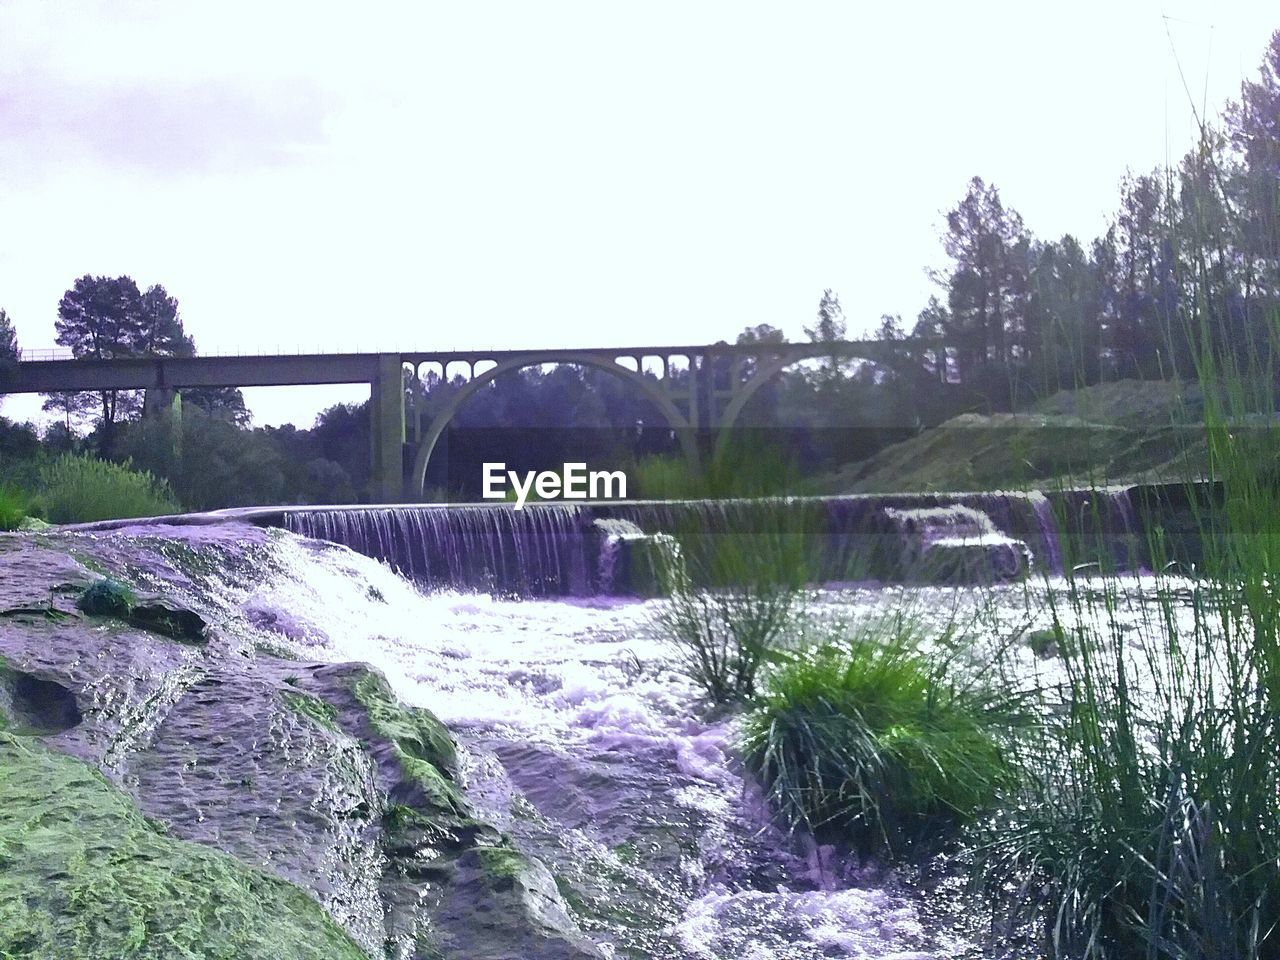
x,y
175,622
85,876
423,747
107,598
1045,643
320,712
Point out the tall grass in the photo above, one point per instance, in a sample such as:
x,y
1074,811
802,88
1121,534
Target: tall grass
x,y
734,595
79,489
865,739
1148,824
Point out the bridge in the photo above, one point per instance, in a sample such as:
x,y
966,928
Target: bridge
x,y
700,407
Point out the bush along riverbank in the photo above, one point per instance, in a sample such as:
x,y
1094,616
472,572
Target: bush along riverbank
x,y
177,780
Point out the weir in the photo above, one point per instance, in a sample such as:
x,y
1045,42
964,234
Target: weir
x,y
552,549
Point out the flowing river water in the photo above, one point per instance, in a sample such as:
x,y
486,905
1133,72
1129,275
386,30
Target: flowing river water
x,y
583,741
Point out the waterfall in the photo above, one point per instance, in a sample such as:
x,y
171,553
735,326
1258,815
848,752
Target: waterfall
x,y
550,549
956,543
544,549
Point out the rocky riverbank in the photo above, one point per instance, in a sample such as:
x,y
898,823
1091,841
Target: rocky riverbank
x,y
177,779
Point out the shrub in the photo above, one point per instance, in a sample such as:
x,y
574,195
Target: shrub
x,y
736,469
79,489
14,508
867,740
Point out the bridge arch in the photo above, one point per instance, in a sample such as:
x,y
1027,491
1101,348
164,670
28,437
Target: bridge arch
x,y
651,391
771,362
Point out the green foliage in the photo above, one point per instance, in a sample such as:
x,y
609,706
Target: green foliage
x,y
319,711
79,489
8,340
15,506
736,470
107,598
205,458
1149,824
87,876
733,596
865,739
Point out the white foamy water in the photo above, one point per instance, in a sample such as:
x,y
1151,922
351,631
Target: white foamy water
x,y
584,743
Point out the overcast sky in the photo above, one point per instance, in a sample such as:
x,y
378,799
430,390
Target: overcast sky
x,y
451,175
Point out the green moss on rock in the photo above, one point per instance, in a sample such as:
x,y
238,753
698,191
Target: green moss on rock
x,y
422,744
107,598
321,712
85,876
502,863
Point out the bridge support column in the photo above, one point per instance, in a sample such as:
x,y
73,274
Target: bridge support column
x,y
163,407
386,427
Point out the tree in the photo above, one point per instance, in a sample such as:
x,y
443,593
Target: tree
x,y
8,338
101,317
1253,125
831,323
8,347
830,328
160,332
226,402
987,288
73,408
109,317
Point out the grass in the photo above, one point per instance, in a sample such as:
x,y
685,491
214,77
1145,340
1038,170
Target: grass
x,y
80,489
14,508
1122,431
1147,824
735,470
865,739
733,596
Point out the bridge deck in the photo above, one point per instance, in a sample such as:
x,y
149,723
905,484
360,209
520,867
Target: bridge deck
x,y
144,373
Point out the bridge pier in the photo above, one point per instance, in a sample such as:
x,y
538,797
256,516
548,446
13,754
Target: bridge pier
x,y
386,428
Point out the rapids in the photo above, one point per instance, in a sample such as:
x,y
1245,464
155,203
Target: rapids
x,y
583,743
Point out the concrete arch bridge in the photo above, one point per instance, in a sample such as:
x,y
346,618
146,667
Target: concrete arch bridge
x,y
699,390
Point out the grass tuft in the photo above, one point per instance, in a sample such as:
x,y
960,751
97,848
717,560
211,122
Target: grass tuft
x,y
867,740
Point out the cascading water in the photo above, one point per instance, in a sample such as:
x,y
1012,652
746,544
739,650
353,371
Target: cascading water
x,y
575,550
532,552
585,745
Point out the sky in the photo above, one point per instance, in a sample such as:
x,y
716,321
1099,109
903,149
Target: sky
x,y
423,175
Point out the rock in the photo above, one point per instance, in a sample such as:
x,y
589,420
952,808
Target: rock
x,y
500,905
107,598
33,706
170,620
1045,643
632,562
87,876
293,791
